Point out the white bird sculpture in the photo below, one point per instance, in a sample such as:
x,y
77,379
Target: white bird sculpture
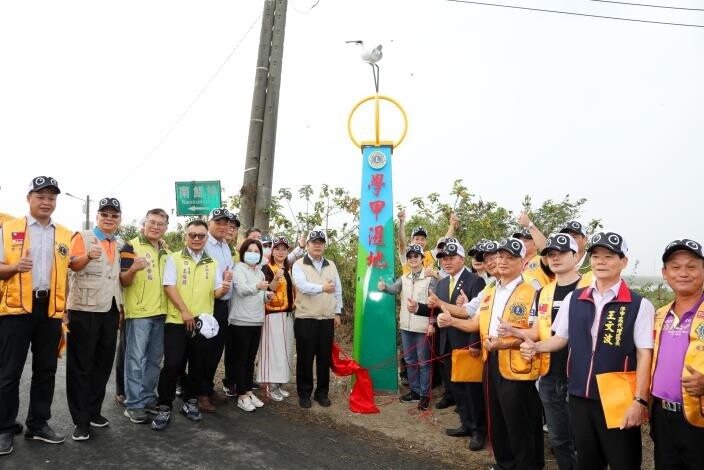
x,y
369,55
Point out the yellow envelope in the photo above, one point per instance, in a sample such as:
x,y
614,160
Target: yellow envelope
x,y
465,367
617,390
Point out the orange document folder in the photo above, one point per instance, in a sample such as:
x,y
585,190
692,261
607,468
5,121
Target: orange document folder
x,y
465,367
617,390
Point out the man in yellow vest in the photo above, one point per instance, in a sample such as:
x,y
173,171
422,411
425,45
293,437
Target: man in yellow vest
x,y
142,261
535,267
677,415
34,265
192,281
515,419
609,328
94,304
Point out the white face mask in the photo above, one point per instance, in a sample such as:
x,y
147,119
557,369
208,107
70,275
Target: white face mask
x,y
251,258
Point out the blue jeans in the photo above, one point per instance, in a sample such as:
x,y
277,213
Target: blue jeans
x,y
144,348
416,347
553,394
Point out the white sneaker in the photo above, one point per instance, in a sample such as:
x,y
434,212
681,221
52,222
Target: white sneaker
x,y
255,401
282,391
244,403
273,393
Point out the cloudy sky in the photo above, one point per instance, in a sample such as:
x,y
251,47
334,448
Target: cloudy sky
x,y
124,98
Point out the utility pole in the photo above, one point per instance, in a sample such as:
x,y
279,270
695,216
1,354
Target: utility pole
x,y
255,194
86,208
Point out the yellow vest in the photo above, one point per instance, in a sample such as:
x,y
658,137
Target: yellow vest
x,y
145,297
545,317
693,406
280,301
17,291
3,218
533,271
517,312
428,261
195,283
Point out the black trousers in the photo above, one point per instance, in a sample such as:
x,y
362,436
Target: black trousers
x,y
677,443
17,332
120,364
471,406
181,347
313,342
90,353
243,342
598,446
221,310
515,420
445,366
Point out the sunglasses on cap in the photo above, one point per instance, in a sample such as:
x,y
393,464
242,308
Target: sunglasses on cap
x,y
217,212
313,234
280,241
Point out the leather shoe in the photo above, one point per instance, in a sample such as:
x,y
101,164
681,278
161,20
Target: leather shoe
x,y
204,405
445,402
304,402
323,401
218,398
477,441
6,442
457,432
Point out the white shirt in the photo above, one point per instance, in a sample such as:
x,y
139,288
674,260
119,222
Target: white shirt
x,y
311,288
220,252
41,251
643,328
501,296
170,274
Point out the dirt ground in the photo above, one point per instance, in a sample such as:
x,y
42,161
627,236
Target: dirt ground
x,y
405,427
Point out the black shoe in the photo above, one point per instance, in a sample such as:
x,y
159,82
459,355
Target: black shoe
x,y
6,442
323,401
445,402
304,402
457,432
45,434
410,397
477,441
99,421
255,386
424,403
81,433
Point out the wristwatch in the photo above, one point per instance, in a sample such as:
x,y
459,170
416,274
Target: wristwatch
x,y
641,401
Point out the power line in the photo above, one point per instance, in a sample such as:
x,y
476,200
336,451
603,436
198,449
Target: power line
x,y
188,108
648,5
543,10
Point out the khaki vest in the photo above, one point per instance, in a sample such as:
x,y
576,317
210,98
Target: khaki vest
x,y
195,283
93,288
512,366
17,291
693,406
545,317
417,290
145,297
320,306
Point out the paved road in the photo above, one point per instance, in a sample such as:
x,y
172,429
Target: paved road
x,y
229,439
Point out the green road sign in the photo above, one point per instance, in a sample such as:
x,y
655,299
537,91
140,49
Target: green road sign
x,y
197,197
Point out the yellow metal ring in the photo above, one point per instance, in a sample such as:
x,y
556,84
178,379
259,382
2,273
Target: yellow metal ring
x,y
376,119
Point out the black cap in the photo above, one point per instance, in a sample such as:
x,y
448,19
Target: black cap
x,y
524,233
280,240
684,244
513,246
573,226
419,231
415,248
611,241
562,242
232,217
109,202
477,248
451,249
316,235
41,182
490,246
219,213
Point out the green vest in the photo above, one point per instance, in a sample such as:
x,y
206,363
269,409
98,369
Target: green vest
x,y
195,283
145,297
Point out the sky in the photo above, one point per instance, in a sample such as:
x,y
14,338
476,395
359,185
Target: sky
x,y
124,98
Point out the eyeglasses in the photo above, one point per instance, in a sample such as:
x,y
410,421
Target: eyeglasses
x,y
197,236
154,223
109,215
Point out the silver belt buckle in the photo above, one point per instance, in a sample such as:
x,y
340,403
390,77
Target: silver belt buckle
x,y
671,406
41,293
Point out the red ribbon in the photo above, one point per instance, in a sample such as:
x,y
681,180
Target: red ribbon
x,y
362,396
